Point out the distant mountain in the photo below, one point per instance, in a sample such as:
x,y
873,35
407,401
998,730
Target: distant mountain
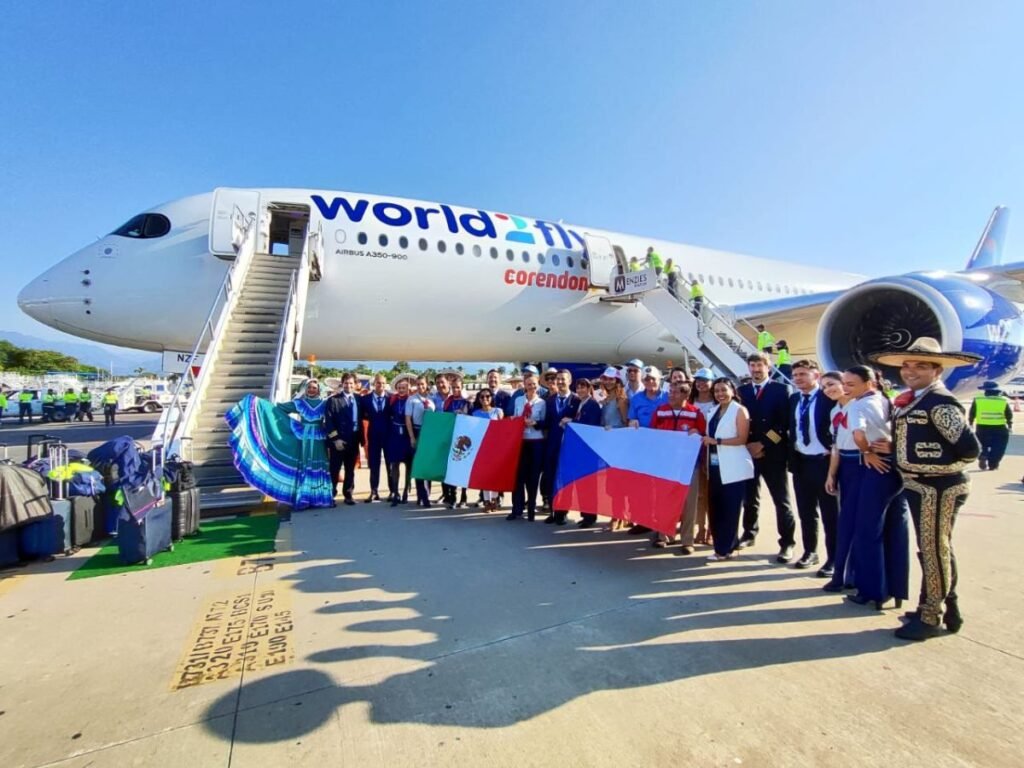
x,y
124,361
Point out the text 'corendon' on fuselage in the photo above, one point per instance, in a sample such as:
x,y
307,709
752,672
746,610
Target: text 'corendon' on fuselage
x,y
478,223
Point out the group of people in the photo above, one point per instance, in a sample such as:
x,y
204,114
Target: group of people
x,y
77,406
861,464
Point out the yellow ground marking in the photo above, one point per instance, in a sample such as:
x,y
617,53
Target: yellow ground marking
x,y
8,583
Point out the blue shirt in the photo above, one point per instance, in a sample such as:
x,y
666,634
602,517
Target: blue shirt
x,y
642,408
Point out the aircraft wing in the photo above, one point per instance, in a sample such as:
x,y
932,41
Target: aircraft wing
x,y
1005,279
794,319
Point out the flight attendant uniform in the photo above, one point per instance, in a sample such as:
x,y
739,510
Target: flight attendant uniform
x,y
398,449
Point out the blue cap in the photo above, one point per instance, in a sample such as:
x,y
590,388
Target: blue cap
x,y
704,373
531,369
989,385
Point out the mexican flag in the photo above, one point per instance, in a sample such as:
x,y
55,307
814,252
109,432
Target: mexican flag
x,y
468,451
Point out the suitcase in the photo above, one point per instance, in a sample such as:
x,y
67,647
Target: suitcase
x,y
43,537
9,547
139,538
86,521
107,513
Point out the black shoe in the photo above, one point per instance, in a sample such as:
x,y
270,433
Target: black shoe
x,y
917,630
560,521
369,498
349,501
393,500
746,541
827,571
859,599
637,530
513,516
807,560
832,587
785,555
530,516
550,520
952,618
585,524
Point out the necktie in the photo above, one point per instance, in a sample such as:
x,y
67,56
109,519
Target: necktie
x,y
380,403
757,390
805,419
561,405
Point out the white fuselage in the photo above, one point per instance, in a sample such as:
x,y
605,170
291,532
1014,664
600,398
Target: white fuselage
x,y
403,279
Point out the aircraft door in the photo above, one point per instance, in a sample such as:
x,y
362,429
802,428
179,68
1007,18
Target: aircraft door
x,y
601,259
231,211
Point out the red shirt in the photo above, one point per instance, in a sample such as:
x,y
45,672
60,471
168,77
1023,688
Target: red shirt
x,y
688,418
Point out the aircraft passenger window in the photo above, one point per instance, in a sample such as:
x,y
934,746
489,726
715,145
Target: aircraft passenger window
x,y
494,253
700,277
730,283
509,255
403,241
750,284
459,249
526,257
760,285
383,240
554,259
778,288
144,226
568,260
690,276
442,246
476,250
362,238
423,244
540,258
584,264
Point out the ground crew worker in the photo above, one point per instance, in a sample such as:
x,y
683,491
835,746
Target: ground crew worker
x,y
784,361
654,261
696,297
765,341
993,420
49,405
110,408
634,264
25,406
70,404
85,405
3,404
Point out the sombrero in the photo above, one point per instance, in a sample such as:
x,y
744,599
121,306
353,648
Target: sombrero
x,y
927,350
403,377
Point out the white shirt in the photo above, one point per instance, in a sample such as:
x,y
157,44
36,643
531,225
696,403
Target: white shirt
x,y
870,414
843,435
416,405
814,448
538,409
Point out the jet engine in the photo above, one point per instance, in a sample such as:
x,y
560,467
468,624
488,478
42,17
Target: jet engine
x,y
957,309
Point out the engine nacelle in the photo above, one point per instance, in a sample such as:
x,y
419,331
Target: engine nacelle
x,y
889,313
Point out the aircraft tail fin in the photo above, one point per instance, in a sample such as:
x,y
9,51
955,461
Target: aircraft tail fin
x,y
989,250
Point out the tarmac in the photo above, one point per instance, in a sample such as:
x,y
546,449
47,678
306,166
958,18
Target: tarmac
x,y
380,636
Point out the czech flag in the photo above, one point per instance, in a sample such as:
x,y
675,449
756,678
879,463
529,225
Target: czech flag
x,y
638,475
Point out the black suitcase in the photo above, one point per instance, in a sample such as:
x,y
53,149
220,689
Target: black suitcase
x,y
184,497
86,523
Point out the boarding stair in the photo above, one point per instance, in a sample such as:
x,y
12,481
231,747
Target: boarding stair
x,y
249,343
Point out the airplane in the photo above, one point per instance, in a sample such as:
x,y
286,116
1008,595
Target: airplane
x,y
408,279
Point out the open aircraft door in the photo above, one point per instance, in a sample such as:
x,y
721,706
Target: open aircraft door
x,y
601,259
231,212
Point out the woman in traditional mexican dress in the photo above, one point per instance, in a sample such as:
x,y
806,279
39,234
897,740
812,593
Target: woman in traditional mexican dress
x,y
280,448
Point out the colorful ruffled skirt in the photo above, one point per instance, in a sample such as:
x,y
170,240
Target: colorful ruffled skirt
x,y
280,456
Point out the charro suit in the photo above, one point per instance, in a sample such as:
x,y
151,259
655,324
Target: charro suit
x,y
768,405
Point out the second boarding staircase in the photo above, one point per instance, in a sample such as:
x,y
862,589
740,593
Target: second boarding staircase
x,y
250,341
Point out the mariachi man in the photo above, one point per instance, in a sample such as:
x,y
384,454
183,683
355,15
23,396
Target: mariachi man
x,y
933,447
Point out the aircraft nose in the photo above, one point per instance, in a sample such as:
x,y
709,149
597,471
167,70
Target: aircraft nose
x,y
34,300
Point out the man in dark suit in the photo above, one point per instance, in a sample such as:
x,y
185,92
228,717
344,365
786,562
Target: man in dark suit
x,y
375,410
344,434
810,448
768,443
562,407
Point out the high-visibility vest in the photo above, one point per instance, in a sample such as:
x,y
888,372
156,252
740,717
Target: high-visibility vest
x,y
85,397
48,399
764,339
70,397
634,266
990,410
25,397
3,400
784,357
110,398
696,292
654,260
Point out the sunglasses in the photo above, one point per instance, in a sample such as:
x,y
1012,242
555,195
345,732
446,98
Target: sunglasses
x,y
485,397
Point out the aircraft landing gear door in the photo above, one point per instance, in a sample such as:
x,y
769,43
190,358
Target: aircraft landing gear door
x,y
232,209
601,258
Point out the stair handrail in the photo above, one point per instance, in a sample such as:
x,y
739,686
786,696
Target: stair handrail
x,y
289,340
177,430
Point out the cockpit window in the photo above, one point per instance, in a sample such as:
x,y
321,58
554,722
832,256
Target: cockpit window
x,y
145,225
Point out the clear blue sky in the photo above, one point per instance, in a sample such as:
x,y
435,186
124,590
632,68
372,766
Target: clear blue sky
x,y
874,135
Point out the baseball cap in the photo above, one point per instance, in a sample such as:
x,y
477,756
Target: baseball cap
x,y
651,370
612,373
635,363
531,369
704,373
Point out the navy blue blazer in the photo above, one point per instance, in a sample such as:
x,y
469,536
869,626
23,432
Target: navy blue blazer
x,y
552,419
376,421
769,413
338,421
821,423
589,413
